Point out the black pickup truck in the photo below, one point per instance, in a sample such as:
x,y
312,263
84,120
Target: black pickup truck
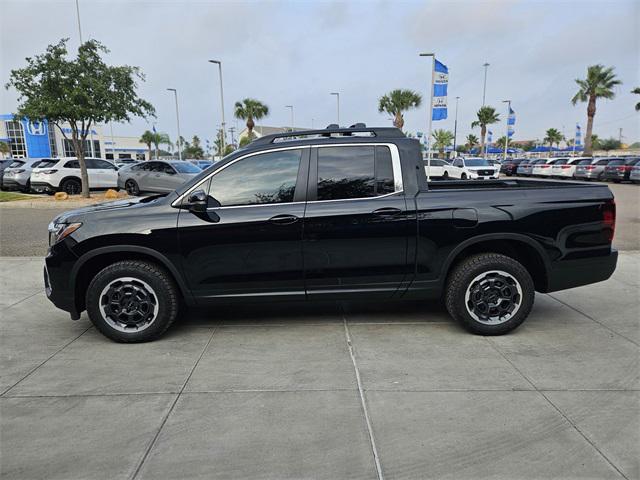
x,y
332,214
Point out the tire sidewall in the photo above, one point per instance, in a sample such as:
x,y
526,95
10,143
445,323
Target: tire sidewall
x,y
135,190
475,266
156,278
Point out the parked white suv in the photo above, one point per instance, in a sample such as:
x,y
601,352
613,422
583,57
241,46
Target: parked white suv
x,y
63,175
473,168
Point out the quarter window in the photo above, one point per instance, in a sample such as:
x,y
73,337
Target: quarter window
x,y
354,172
259,179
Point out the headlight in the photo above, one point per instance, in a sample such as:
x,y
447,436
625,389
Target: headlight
x,y
59,231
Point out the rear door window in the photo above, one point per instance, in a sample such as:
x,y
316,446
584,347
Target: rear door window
x,y
354,172
71,164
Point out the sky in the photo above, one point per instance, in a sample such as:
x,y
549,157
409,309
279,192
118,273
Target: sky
x,y
296,53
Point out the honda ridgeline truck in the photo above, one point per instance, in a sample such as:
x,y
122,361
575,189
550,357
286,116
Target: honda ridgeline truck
x,y
338,214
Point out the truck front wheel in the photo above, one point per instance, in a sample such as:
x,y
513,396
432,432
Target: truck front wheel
x,y
489,294
132,301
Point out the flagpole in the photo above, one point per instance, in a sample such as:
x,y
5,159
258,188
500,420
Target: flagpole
x,y
506,138
575,137
433,69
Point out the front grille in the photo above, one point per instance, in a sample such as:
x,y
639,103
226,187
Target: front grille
x,y
485,172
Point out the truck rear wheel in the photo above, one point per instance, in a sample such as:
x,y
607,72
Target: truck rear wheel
x,y
489,294
132,301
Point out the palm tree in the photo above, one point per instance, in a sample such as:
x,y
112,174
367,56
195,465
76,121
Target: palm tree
x,y
4,148
486,116
398,101
637,92
147,138
502,142
598,84
442,139
553,135
472,141
250,109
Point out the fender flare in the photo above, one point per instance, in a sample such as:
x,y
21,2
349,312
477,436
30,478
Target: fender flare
x,y
162,260
444,271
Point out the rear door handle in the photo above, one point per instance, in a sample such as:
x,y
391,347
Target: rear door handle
x,y
283,219
387,211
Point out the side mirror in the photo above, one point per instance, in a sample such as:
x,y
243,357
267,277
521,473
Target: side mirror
x,y
197,201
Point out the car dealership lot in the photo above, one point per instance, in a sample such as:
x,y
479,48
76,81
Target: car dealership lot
x,y
272,392
276,391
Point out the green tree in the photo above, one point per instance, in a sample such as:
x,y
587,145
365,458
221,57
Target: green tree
x,y
595,142
599,83
160,139
637,92
553,136
250,110
4,148
193,149
218,146
147,139
502,142
610,144
486,116
472,141
80,92
398,101
442,139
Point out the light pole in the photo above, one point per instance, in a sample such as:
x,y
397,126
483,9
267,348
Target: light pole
x,y
78,17
484,89
506,137
455,127
291,107
179,142
219,63
337,94
433,68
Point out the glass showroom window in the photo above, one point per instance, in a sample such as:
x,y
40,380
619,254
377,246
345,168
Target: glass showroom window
x,y
16,139
52,140
70,152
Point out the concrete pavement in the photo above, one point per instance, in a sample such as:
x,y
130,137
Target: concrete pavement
x,y
323,391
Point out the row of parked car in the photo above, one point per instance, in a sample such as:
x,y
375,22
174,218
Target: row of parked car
x,y
50,175
616,169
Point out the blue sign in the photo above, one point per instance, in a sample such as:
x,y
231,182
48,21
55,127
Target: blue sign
x,y
440,83
36,137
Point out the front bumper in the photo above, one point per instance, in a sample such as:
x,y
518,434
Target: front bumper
x,y
565,274
57,282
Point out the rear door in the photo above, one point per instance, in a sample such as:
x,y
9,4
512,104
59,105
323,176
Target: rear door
x,y
356,225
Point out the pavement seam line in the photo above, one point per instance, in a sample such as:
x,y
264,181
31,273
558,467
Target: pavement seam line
x,y
363,402
170,410
606,327
541,393
45,361
24,299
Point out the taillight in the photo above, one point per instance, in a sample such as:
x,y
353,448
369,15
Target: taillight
x,y
566,166
609,217
589,167
49,172
19,171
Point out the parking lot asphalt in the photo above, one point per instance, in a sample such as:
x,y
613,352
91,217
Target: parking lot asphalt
x,y
330,391
23,230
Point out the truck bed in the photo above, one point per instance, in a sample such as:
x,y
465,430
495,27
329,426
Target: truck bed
x,y
508,183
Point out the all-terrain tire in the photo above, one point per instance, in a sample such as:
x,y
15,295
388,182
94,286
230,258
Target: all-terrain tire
x,y
146,276
461,279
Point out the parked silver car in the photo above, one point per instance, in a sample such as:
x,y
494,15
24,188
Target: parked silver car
x,y
592,169
634,176
158,176
18,174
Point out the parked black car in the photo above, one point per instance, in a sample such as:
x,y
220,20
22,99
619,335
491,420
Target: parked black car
x,y
619,169
510,166
329,214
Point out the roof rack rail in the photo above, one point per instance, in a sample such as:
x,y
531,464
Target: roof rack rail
x,y
333,129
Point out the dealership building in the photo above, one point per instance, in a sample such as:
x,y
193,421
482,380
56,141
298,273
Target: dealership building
x,y
31,139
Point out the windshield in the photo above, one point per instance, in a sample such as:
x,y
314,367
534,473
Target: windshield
x,y
477,162
47,163
584,162
185,167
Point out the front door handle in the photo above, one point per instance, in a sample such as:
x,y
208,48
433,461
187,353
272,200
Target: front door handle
x,y
387,211
283,219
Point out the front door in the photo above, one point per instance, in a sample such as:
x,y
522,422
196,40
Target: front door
x,y
356,224
248,244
